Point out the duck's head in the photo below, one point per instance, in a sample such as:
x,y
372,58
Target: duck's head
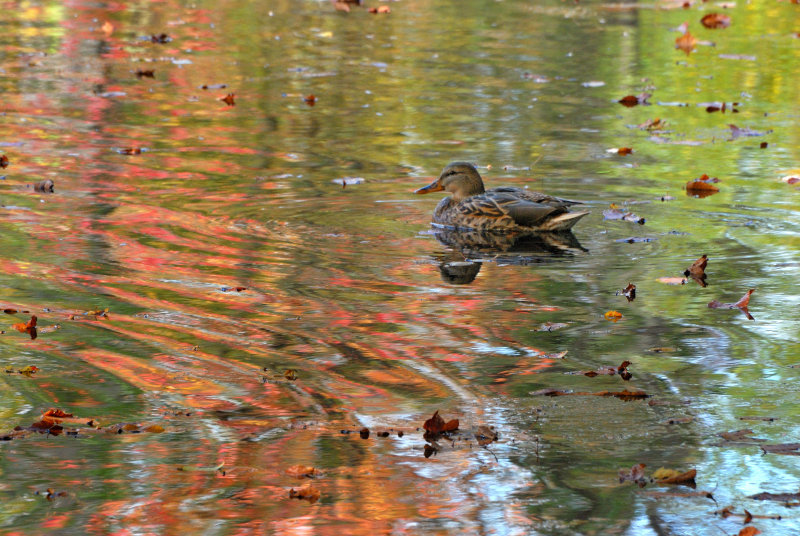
x,y
461,179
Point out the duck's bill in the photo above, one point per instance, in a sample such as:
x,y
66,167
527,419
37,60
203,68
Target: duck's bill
x,y
435,186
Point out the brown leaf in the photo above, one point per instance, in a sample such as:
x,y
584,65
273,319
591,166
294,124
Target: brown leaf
x,y
302,471
45,186
782,497
741,304
740,435
364,433
698,266
683,478
624,151
485,435
145,73
434,425
4,161
451,425
130,150
29,327
715,21
749,531
629,292
686,42
10,311
308,493
629,101
748,517
160,38
430,450
702,187
229,99
290,374
310,100
782,448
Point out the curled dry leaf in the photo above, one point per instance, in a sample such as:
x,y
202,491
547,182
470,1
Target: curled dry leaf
x,y
364,433
614,316
145,73
311,100
697,271
4,161
715,21
307,493
624,151
633,100
229,99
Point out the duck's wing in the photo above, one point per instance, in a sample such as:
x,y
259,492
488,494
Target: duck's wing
x,y
497,204
535,197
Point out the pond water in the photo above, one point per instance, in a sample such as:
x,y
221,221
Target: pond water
x,y
175,286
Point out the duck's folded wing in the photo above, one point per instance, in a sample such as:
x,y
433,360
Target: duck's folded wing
x,y
501,204
536,197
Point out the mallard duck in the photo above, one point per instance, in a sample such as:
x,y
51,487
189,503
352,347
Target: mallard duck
x,y
498,209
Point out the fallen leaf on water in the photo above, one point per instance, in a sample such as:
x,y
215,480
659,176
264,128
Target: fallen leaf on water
x,y
130,150
686,42
634,474
705,494
757,418
622,395
28,371
715,21
308,493
674,477
290,374
380,9
702,187
310,100
46,185
430,450
672,280
622,370
629,292
782,448
614,316
303,471
616,214
28,327
652,124
364,433
107,28
145,73
634,100
4,161
790,179
749,531
434,425
679,420
160,38
229,99
10,311
485,435
741,304
740,435
550,326
697,271
783,497
451,425
625,151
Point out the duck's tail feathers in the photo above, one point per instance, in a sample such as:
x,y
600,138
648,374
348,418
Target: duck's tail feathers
x,y
562,222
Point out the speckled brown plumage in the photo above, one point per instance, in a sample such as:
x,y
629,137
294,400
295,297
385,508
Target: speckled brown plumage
x,y
498,209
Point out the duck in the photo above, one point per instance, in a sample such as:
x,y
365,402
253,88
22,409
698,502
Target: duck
x,y
502,209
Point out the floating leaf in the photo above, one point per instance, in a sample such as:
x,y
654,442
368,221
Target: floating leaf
x,y
303,471
634,100
364,433
229,99
310,100
4,161
28,327
614,316
702,187
160,38
672,280
308,493
697,271
629,292
792,449
741,436
145,73
686,478
749,531
686,42
485,435
741,304
45,186
715,21
634,474
380,9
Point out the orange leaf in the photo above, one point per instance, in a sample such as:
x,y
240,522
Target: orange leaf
x,y
451,425
716,20
624,151
308,493
613,315
749,531
435,424
672,280
302,471
229,99
686,42
745,300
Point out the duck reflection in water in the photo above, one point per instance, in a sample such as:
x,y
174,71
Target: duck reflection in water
x,y
469,249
